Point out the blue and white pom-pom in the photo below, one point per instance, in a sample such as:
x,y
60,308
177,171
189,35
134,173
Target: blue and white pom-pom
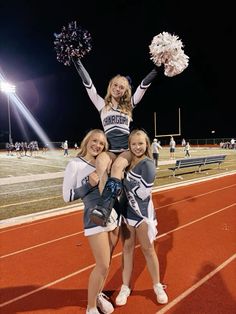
x,y
167,49
72,42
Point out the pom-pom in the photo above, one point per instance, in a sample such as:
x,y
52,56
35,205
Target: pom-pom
x,y
167,49
72,42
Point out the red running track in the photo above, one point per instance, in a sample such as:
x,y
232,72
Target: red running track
x,y
45,264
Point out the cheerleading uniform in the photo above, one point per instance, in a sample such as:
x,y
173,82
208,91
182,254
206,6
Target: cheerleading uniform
x,y
138,205
76,186
116,124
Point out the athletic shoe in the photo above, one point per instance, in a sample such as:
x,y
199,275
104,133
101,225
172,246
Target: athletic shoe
x,y
105,306
121,299
94,310
162,297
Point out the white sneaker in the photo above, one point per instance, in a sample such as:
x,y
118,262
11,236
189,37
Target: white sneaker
x,y
105,306
121,299
162,297
94,310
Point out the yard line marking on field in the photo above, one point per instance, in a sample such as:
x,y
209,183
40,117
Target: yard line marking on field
x,y
34,177
32,201
53,212
160,236
27,190
196,285
28,162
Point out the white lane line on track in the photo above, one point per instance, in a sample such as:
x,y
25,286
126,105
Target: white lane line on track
x,y
196,285
33,219
197,220
41,244
171,304
76,233
196,196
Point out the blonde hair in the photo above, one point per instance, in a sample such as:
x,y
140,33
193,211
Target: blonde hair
x,y
148,144
83,146
125,105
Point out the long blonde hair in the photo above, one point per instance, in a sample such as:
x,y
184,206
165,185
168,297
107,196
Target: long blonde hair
x,y
125,105
148,143
83,146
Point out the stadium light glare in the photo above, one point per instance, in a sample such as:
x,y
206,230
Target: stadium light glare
x,y
25,112
8,89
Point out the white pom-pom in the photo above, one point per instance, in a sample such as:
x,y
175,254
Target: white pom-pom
x,y
167,49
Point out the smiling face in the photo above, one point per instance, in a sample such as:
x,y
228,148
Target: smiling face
x,y
138,145
95,145
118,87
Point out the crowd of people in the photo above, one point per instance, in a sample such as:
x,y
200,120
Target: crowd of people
x,y
22,149
228,144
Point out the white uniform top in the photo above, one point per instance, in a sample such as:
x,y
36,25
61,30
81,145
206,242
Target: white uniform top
x,y
116,124
76,186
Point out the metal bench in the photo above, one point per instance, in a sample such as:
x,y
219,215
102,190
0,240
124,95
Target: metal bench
x,y
197,161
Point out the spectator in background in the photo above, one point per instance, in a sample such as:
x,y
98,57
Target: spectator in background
x,y
8,148
155,151
187,149
172,148
65,147
232,143
183,143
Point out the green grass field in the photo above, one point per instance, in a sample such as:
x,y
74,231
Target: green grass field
x,y
34,184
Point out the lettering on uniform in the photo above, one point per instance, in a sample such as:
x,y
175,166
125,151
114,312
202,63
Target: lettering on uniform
x,y
115,119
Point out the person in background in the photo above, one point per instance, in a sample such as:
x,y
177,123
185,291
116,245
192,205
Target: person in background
x,y
172,148
155,151
65,147
139,218
81,182
187,150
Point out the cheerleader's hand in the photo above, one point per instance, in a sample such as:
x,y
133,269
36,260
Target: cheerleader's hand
x,y
93,179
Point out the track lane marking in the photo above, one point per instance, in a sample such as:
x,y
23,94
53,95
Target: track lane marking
x,y
195,286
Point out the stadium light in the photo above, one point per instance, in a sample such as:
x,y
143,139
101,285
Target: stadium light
x,y
8,89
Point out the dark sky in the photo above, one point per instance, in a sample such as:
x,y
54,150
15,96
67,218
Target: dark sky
x,y
122,32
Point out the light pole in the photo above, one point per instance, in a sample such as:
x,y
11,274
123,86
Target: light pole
x,y
8,89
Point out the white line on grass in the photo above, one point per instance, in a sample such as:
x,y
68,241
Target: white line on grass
x,y
33,189
52,212
31,201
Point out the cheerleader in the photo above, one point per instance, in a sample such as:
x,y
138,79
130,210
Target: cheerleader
x,y
81,182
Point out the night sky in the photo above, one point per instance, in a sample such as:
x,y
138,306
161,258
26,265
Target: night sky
x,y
121,32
